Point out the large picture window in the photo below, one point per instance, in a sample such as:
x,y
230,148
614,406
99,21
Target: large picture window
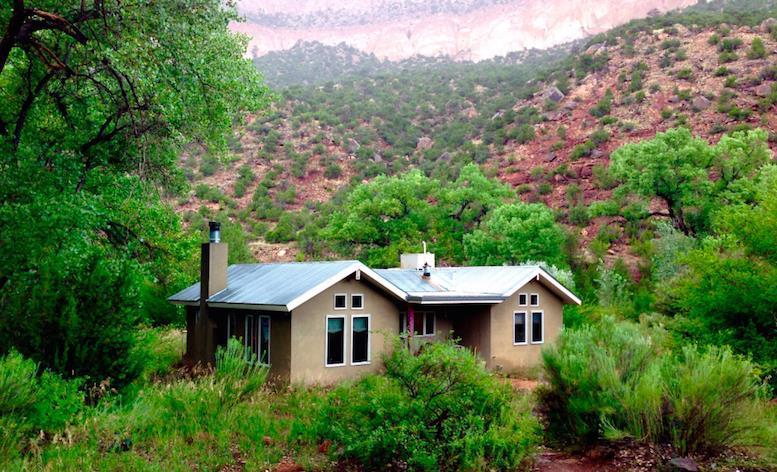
x,y
335,341
360,339
519,327
537,328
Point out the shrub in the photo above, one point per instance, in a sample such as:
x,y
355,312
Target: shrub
x,y
614,379
436,410
757,49
32,403
726,57
685,74
604,106
333,171
721,71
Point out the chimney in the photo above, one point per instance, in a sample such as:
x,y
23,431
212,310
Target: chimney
x,y
417,261
213,264
213,279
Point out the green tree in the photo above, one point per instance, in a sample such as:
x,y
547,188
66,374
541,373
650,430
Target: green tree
x,y
516,233
676,168
96,101
383,218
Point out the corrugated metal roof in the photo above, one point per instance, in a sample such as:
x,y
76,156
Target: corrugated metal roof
x,y
496,280
287,285
269,284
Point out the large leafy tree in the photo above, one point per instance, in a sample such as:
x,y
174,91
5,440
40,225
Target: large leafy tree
x,y
517,233
96,100
687,174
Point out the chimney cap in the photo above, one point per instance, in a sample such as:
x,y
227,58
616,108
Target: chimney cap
x,y
215,231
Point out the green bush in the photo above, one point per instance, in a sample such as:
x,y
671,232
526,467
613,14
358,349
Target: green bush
x,y
32,403
757,49
439,409
615,379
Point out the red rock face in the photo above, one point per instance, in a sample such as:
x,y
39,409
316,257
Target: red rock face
x,y
479,33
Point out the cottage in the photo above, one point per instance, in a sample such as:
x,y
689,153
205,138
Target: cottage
x,y
321,322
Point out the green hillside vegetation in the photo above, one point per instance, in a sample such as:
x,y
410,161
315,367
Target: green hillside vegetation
x,y
675,348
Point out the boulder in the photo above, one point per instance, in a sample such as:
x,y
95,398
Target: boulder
x,y
682,30
701,103
353,146
594,48
569,106
685,464
768,24
763,90
424,142
554,94
445,157
673,99
597,154
550,157
377,158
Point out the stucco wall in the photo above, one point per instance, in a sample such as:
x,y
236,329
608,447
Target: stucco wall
x,y
506,356
308,333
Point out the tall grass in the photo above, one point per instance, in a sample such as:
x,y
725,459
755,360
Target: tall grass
x,y
610,380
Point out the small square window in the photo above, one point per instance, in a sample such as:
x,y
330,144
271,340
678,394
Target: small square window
x,y
357,301
522,299
341,301
535,299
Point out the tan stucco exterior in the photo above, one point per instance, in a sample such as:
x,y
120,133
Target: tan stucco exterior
x,y
298,339
508,357
308,333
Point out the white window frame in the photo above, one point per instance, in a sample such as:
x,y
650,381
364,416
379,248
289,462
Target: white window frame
x,y
369,340
403,316
526,299
525,328
534,295
334,301
345,340
531,330
361,295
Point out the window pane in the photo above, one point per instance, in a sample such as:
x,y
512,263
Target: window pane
x,y
429,328
535,299
361,334
402,323
335,332
418,323
340,301
520,328
357,301
522,299
536,327
249,342
264,340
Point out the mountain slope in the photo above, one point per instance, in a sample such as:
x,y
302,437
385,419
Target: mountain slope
x,y
544,126
462,30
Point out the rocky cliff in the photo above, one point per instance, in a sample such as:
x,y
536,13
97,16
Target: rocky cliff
x,y
463,30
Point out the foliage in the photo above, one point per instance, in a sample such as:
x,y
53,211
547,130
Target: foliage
x,y
89,132
676,167
516,233
439,409
31,403
614,379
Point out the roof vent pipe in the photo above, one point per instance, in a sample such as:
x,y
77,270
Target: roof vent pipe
x,y
215,231
424,244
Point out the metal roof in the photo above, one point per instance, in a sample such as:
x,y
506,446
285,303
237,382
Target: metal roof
x,y
496,280
287,285
269,284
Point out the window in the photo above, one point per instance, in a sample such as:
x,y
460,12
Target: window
x,y
424,323
537,327
341,301
357,301
257,337
519,327
360,339
231,327
335,340
535,299
522,299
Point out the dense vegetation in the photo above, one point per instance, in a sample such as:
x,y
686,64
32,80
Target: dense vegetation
x,y
677,347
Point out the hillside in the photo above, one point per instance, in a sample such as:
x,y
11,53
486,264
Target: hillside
x,y
470,30
545,126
